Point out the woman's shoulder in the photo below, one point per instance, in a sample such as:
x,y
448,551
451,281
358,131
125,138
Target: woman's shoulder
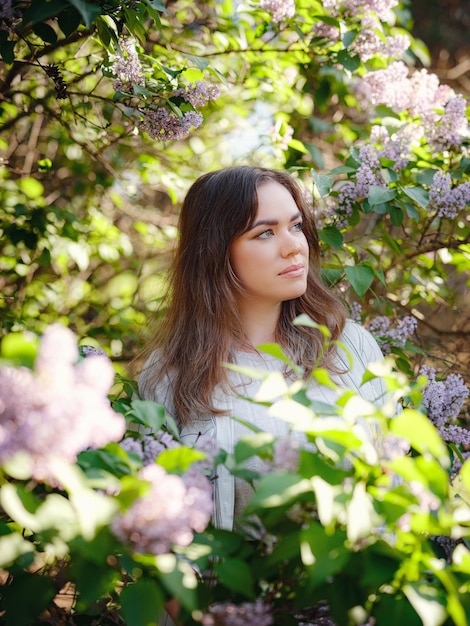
x,y
359,340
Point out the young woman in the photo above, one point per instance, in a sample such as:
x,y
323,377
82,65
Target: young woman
x,y
246,265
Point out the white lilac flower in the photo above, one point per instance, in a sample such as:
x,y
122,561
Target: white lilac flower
x,y
168,514
58,409
279,9
247,614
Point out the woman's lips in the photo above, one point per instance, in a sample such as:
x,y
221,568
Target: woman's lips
x,y
293,271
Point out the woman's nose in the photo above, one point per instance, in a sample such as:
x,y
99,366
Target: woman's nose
x,y
291,245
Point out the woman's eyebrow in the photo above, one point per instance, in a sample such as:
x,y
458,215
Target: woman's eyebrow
x,y
272,222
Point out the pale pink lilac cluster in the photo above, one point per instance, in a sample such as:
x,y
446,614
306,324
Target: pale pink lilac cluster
x,y
328,31
161,124
168,514
58,409
435,107
358,8
388,335
393,87
445,200
279,9
127,67
372,41
198,94
286,455
247,614
443,401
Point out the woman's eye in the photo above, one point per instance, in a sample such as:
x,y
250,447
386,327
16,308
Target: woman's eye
x,y
265,234
298,227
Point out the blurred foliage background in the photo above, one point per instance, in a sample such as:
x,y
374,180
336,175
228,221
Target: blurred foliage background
x,y
88,206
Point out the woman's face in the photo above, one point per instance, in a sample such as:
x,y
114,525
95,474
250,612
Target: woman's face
x,y
271,258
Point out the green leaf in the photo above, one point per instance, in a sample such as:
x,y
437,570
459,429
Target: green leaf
x,y
360,278
275,490
40,11
418,194
295,144
69,20
179,579
428,601
37,589
141,603
331,236
20,348
323,183
348,61
411,211
89,11
13,546
178,460
7,51
148,413
328,553
379,195
45,32
421,433
250,445
200,62
237,576
396,215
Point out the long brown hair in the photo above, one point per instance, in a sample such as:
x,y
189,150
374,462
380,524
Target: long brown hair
x,y
200,321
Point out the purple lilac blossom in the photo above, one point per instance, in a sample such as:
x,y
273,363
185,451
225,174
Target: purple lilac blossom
x,y
88,351
58,409
447,130
350,192
355,309
9,16
127,67
150,446
163,125
247,614
388,336
199,94
167,514
279,9
445,200
443,401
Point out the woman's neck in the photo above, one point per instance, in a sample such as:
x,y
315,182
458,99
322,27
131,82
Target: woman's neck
x,y
259,323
